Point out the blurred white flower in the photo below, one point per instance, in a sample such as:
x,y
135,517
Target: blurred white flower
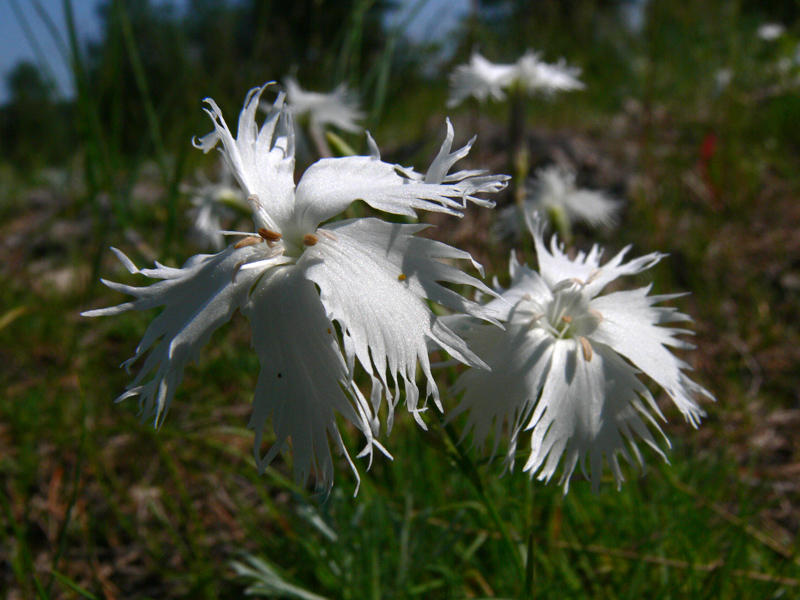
x,y
480,79
555,196
566,366
293,277
483,79
722,79
554,192
770,31
339,108
211,204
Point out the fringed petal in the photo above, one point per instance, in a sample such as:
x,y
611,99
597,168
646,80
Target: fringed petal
x,y
631,327
588,408
331,185
303,377
375,279
555,266
262,161
197,299
501,399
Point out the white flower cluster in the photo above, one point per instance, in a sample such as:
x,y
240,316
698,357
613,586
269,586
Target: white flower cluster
x,y
550,354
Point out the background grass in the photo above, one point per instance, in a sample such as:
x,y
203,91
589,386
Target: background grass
x,y
94,504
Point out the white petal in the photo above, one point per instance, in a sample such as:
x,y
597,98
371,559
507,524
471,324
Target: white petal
x,y
331,185
555,266
374,279
535,75
445,160
526,284
198,299
519,359
262,161
554,190
303,375
481,79
630,327
338,108
588,408
592,207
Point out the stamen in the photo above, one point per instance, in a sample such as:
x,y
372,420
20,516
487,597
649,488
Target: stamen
x,y
567,319
534,320
250,240
566,284
587,349
597,315
401,277
593,275
310,239
269,235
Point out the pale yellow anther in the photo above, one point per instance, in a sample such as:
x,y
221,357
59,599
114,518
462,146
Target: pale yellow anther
x,y
587,349
250,240
597,315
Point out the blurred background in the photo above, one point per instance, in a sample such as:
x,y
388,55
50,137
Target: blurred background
x,y
689,118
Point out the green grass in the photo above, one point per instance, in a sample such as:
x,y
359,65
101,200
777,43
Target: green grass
x,y
95,504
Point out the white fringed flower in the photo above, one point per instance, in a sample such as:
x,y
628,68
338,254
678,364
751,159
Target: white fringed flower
x,y
294,276
483,79
211,204
555,196
339,108
566,367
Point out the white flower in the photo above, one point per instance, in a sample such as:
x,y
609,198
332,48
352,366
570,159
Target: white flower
x,y
480,79
770,31
483,79
555,196
211,203
535,75
294,277
566,367
338,108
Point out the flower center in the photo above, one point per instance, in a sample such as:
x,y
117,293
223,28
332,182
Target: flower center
x,y
567,314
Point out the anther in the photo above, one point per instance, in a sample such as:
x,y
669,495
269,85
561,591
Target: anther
x,y
587,349
250,240
401,277
310,239
593,275
269,235
567,319
597,315
534,320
